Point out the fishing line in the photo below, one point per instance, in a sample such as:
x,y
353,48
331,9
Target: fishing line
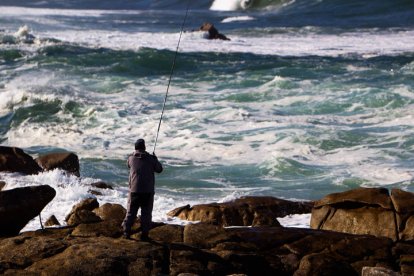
x,y
171,73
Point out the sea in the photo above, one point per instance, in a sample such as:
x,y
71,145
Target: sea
x,y
307,98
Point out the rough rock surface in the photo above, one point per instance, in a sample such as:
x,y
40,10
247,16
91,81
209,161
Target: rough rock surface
x,y
67,161
96,248
18,206
110,211
83,212
14,159
367,211
245,211
52,221
200,249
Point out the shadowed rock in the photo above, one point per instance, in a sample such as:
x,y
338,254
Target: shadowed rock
x,y
14,159
19,206
67,161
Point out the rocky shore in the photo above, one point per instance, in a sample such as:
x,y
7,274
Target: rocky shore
x,y
357,232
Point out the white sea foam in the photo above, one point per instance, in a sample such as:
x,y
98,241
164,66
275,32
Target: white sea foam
x,y
297,221
237,18
367,43
70,190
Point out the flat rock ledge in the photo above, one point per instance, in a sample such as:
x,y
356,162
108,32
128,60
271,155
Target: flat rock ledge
x,y
200,249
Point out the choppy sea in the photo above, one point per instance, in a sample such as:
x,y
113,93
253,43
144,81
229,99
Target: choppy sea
x,y
309,97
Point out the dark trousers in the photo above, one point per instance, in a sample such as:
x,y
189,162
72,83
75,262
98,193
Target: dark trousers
x,y
145,201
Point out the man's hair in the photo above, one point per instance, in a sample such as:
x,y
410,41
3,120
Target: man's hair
x,y
140,144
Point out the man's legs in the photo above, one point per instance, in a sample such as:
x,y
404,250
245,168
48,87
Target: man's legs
x,y
133,205
147,203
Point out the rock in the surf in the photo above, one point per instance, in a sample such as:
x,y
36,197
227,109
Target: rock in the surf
x,y
67,161
19,206
14,159
244,211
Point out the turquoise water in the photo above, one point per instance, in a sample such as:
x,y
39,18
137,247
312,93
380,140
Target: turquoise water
x,y
308,98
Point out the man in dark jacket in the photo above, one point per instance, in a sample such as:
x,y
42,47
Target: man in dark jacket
x,y
142,166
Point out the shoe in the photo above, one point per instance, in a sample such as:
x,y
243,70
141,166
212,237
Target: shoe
x,y
144,237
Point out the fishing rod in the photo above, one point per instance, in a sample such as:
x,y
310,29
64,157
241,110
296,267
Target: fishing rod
x,y
171,73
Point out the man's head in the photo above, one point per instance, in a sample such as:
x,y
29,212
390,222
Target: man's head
x,y
140,144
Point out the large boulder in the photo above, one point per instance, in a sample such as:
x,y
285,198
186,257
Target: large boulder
x,y
19,206
244,211
359,211
67,161
14,159
111,212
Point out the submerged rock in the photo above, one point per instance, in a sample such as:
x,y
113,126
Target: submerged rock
x,y
14,159
245,211
19,206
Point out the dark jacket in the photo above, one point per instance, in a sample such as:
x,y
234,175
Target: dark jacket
x,y
142,166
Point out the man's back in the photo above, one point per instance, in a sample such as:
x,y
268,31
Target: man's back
x,y
141,175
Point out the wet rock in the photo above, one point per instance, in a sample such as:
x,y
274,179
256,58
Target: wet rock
x,y
52,221
359,211
14,159
67,161
19,206
245,211
102,185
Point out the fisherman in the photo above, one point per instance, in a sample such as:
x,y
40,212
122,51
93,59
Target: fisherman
x,y
142,166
